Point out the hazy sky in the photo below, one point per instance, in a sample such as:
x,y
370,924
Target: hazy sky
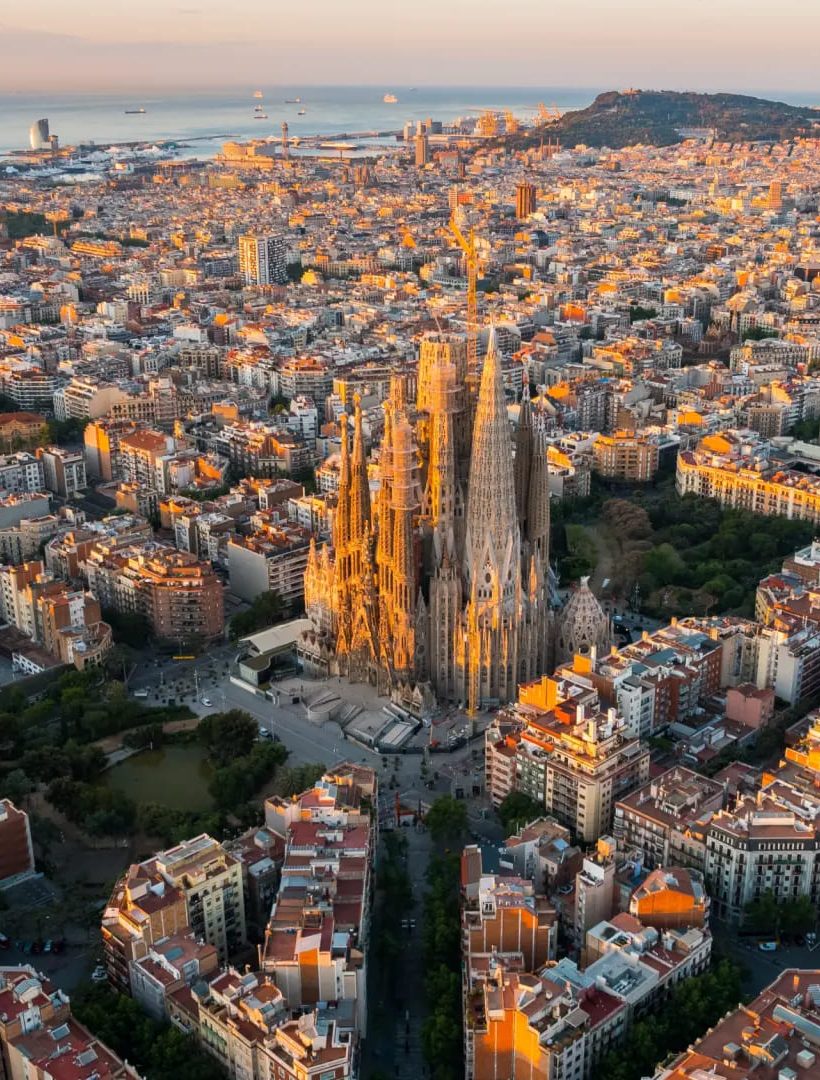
x,y
699,44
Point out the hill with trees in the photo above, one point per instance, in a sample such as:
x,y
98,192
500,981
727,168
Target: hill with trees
x,y
662,118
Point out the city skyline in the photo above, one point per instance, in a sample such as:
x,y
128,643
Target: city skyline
x,y
94,47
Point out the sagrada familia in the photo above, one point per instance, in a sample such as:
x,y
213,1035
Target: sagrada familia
x,y
439,588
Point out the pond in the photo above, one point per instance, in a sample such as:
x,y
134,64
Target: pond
x,y
175,776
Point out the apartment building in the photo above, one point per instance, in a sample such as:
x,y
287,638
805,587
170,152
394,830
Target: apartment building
x,y
272,559
671,898
180,596
195,887
20,542
262,449
522,1024
41,1040
773,1037
16,508
735,470
65,552
16,851
543,853
210,881
505,916
65,621
317,937
85,398
63,471
173,963
769,842
21,472
576,758
636,963
101,443
244,1023
626,457
263,259
667,818
31,389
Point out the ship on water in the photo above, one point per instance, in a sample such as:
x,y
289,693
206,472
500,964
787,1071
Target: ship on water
x,y
257,93
293,101
390,99
135,112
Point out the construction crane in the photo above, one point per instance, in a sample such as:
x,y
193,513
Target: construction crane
x,y
487,124
467,245
548,114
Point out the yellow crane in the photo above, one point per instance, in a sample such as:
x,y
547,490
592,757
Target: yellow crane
x,y
548,114
467,245
487,124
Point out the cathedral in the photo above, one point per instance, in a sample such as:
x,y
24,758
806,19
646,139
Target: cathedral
x,y
438,587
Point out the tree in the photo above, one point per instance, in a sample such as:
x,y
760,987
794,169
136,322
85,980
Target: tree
x,y
267,608
227,735
517,810
15,786
764,914
799,915
156,1050
446,821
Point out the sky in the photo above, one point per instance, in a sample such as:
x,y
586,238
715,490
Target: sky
x,y
739,45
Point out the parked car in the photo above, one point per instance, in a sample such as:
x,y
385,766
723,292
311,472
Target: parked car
x,y
207,702
767,946
264,733
99,974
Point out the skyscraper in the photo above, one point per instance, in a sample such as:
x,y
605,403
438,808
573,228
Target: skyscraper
x,y
422,146
442,589
262,259
524,200
38,135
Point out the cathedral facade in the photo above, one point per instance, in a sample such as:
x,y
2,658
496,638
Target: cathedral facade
x,y
440,586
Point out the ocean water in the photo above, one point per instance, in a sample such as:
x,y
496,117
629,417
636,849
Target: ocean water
x,y
208,116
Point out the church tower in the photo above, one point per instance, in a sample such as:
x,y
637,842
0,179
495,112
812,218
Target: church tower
x,y
492,562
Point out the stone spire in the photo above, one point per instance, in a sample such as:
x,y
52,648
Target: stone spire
x,y
359,486
443,501
404,505
523,456
538,498
342,521
492,524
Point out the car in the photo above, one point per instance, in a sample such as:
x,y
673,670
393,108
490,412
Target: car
x,y
206,701
4,942
99,974
264,733
767,946
141,693
49,946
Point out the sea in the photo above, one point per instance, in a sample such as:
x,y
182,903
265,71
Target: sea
x,y
204,119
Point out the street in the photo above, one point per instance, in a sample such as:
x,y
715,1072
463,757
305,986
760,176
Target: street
x,y
207,679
